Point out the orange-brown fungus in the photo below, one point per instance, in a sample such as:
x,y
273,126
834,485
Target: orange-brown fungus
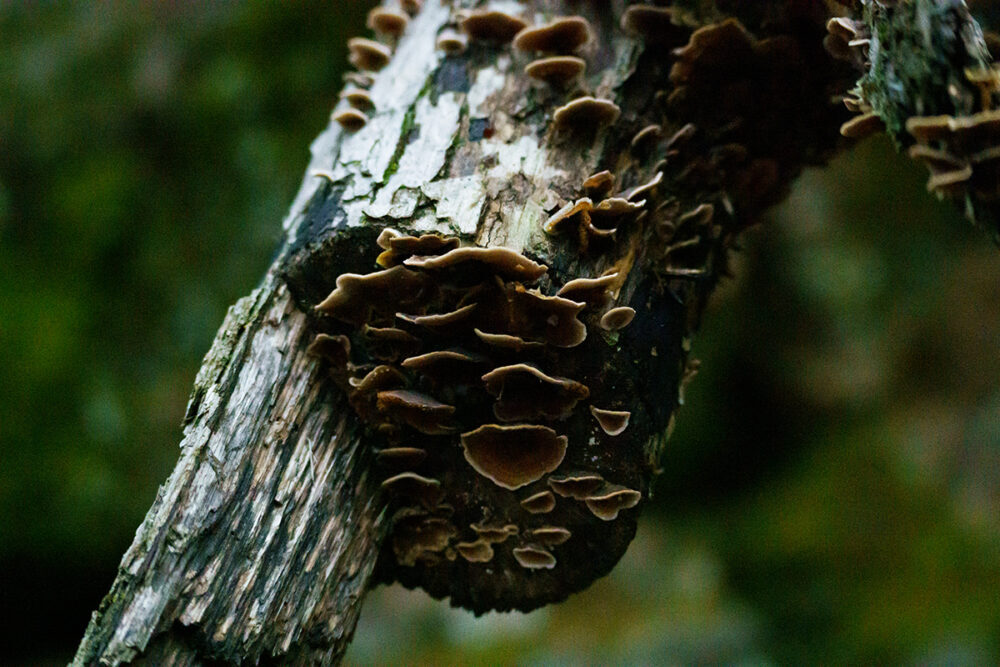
x,y
351,120
645,190
411,7
563,35
556,70
512,456
599,185
539,503
585,114
568,215
503,262
612,422
550,536
534,558
655,25
367,54
492,26
524,392
413,487
606,503
617,318
387,21
577,486
357,296
419,411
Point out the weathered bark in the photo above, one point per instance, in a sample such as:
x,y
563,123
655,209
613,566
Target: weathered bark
x,y
264,539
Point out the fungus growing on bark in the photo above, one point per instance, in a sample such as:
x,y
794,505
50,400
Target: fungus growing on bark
x,y
513,456
606,503
862,126
367,54
506,263
479,551
400,458
452,42
617,318
599,185
448,366
524,392
585,114
568,215
578,486
491,26
609,213
612,422
550,536
389,343
387,22
417,536
565,34
334,349
539,503
494,534
534,558
359,79
646,138
957,161
640,192
551,318
359,98
357,296
351,119
556,70
655,25
413,487
508,342
380,378
420,411
595,292
456,320
411,7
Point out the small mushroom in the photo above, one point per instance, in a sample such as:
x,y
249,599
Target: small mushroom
x,y
378,379
453,43
359,79
351,119
617,318
926,129
610,500
578,486
491,26
645,190
453,321
357,296
506,263
595,292
411,7
539,503
513,456
599,185
524,392
556,70
398,246
479,551
387,22
367,54
494,534
551,318
655,25
565,34
448,366
568,215
550,536
334,349
389,343
417,536
400,458
612,422
508,342
534,558
862,126
418,410
411,486
359,98
646,138
585,114
610,212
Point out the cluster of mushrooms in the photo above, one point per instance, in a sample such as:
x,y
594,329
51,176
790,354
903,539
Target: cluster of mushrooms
x,y
452,364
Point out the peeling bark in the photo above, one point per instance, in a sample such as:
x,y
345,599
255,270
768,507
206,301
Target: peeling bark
x,y
262,543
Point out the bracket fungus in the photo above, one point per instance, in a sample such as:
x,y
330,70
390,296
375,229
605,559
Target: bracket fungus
x,y
524,392
367,54
612,499
534,558
556,70
542,502
502,262
494,534
513,456
655,25
387,22
479,551
419,411
577,486
452,42
413,487
401,458
612,422
563,35
585,114
492,26
617,318
358,296
599,185
595,292
351,119
550,536
359,98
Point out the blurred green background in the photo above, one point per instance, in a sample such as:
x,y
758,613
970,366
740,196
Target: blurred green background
x,y
832,492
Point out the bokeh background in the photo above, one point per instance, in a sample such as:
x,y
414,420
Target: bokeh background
x,y
832,492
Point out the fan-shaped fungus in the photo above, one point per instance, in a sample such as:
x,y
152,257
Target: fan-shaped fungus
x,y
356,296
411,486
599,185
585,114
351,119
359,98
387,21
606,503
491,26
367,54
595,292
556,70
513,456
550,536
578,486
539,503
524,392
401,458
506,341
506,263
479,551
452,43
617,318
565,34
534,558
655,25
612,422
420,411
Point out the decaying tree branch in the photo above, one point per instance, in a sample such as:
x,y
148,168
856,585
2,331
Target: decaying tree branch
x,y
479,423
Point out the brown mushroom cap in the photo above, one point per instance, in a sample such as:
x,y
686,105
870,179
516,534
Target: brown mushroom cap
x,y
389,343
599,185
539,503
411,7
595,292
524,392
550,536
509,342
387,21
334,349
400,458
646,137
610,500
411,486
378,379
928,128
565,34
452,43
455,320
610,212
556,70
551,318
585,114
617,318
360,79
367,54
513,456
351,119
448,366
645,190
578,486
479,551
504,262
359,98
357,296
418,410
655,25
534,558
398,246
494,534
862,126
612,422
567,215
491,26
416,536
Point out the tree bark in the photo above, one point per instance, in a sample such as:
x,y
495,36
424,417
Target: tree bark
x,y
263,541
